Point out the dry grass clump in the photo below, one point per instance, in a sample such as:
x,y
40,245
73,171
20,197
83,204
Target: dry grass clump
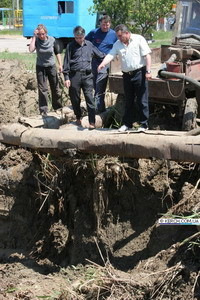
x,y
105,282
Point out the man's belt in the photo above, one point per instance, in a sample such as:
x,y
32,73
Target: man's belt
x,y
134,71
83,71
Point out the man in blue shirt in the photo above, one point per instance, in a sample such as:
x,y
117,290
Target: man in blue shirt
x,y
103,38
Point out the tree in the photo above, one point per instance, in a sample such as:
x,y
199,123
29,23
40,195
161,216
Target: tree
x,y
6,3
140,15
11,4
148,12
118,10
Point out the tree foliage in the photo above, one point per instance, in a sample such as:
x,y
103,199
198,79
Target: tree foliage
x,y
118,10
147,12
140,15
6,4
11,4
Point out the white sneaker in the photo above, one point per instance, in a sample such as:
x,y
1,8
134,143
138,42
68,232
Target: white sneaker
x,y
123,128
141,129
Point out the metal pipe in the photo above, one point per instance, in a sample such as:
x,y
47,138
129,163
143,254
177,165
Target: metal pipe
x,y
188,36
196,52
166,74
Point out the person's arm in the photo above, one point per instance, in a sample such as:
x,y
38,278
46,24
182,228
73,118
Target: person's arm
x,y
107,59
66,67
145,52
110,56
32,43
148,66
59,60
97,53
56,49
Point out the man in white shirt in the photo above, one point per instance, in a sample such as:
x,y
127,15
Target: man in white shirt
x,y
134,54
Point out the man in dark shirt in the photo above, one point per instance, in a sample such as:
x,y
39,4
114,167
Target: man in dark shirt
x,y
77,72
103,38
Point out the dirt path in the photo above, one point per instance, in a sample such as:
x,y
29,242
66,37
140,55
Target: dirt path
x,y
11,44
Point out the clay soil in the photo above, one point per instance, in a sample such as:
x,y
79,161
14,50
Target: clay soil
x,y
85,226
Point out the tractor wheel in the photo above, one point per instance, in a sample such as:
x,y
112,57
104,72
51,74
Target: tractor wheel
x,y
190,114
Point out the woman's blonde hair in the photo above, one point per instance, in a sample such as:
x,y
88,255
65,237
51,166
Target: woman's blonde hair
x,y
41,26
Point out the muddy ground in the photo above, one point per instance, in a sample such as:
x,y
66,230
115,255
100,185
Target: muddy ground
x,y
85,226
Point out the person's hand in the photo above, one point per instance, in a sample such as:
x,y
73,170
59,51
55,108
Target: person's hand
x,y
35,32
148,76
67,83
60,69
100,67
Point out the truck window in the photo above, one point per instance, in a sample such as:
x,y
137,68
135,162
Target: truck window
x,y
190,17
65,7
195,18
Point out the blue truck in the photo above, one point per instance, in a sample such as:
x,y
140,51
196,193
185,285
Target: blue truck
x,y
60,17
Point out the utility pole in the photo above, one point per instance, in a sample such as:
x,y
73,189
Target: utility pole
x,y
15,6
13,11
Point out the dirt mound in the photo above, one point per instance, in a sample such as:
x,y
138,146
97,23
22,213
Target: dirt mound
x,y
86,226
18,91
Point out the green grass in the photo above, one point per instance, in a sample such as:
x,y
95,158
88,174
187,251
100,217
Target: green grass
x,y
161,38
11,32
162,35
28,59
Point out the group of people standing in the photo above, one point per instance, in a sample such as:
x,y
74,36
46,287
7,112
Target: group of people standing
x,y
86,68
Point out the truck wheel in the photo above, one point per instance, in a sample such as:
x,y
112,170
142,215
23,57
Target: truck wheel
x,y
190,114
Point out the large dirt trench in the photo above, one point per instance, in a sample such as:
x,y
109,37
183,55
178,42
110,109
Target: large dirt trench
x,y
60,214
